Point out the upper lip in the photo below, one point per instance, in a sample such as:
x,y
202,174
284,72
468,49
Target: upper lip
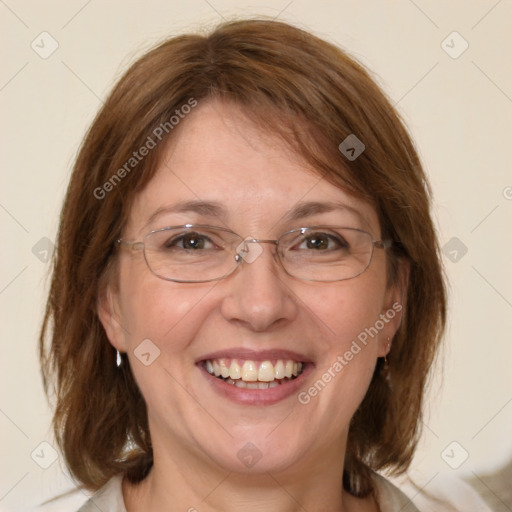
x,y
255,355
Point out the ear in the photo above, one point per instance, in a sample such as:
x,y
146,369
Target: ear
x,y
393,307
109,314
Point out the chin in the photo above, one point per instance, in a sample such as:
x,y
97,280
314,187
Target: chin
x,y
258,450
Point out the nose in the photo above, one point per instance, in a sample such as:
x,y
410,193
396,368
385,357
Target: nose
x,y
259,293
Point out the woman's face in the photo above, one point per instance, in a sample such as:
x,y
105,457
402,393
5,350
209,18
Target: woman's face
x,y
259,313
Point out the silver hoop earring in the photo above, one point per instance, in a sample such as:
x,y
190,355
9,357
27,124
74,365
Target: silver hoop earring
x,y
118,358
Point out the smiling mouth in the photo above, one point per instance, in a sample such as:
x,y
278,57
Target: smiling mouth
x,y
249,374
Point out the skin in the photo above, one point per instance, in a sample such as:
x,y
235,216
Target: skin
x,y
217,154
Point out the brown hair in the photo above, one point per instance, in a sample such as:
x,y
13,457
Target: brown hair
x,y
320,96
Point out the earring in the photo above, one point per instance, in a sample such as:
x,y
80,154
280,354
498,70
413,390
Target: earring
x,y
118,359
387,350
385,367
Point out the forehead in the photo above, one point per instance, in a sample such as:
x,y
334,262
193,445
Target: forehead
x,y
219,156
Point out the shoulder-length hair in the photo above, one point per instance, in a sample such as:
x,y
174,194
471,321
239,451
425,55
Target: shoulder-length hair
x,y
313,95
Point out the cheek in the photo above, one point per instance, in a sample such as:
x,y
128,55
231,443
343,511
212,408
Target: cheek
x,y
160,310
347,309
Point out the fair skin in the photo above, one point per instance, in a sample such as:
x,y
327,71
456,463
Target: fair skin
x,y
200,433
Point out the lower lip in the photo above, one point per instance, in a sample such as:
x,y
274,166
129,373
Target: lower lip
x,y
267,396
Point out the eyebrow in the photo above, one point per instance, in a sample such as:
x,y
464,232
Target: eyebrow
x,y
205,208
307,209
215,209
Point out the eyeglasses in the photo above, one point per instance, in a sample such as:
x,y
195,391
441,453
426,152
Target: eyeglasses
x,y
201,253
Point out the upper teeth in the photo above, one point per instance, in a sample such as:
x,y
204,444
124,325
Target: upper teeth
x,y
253,371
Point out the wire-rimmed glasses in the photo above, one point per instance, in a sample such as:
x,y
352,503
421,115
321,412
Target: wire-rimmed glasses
x,y
200,253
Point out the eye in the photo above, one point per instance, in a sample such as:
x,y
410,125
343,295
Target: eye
x,y
189,241
322,242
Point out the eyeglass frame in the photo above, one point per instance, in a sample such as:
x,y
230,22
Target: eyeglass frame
x,y
138,245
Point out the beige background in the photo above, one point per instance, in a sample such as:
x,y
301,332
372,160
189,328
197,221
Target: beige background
x,y
458,110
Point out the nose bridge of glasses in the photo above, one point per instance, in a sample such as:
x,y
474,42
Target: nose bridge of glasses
x,y
249,249
263,241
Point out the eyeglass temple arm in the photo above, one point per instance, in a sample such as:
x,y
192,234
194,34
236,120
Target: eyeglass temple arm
x,y
382,244
134,246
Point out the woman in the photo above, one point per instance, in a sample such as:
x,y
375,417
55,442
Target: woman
x,y
247,294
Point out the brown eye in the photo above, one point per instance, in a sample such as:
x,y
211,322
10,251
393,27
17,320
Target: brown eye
x,y
193,241
189,241
322,242
317,242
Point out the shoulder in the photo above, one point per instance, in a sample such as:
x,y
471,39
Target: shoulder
x,y
442,493
390,498
109,497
